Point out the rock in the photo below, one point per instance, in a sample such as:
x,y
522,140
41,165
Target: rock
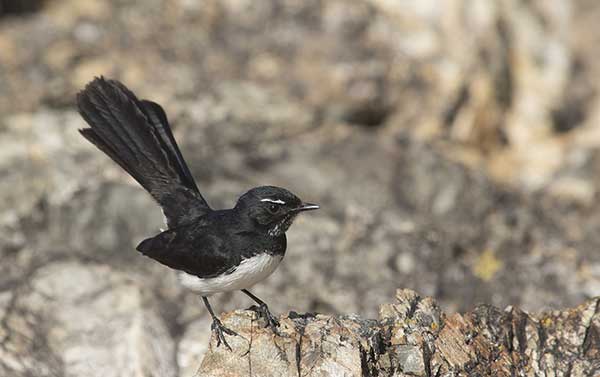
x,y
453,148
97,319
412,337
194,342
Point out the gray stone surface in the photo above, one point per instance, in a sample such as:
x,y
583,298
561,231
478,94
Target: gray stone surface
x,y
454,151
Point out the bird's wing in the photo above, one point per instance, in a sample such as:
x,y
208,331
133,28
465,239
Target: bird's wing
x,y
137,136
199,252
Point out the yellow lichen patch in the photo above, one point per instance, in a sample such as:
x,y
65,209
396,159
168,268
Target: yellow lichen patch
x,y
487,265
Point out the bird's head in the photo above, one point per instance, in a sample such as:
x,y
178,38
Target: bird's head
x,y
272,208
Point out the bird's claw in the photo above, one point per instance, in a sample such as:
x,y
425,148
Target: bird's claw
x,y
218,328
272,322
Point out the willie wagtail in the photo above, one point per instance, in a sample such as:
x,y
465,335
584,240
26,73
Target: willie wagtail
x,y
212,250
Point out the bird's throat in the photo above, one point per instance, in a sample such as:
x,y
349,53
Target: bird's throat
x,y
281,226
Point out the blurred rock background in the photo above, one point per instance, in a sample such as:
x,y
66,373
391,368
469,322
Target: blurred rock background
x,y
453,146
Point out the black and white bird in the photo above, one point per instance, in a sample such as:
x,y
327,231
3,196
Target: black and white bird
x,y
213,250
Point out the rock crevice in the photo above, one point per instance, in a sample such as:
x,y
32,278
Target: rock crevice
x,y
413,337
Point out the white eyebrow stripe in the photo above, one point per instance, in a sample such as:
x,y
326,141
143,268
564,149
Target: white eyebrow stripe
x,y
276,201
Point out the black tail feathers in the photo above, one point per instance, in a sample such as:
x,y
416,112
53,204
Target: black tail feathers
x,y
136,135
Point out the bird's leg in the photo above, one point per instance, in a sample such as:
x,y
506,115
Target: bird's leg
x,y
218,327
263,309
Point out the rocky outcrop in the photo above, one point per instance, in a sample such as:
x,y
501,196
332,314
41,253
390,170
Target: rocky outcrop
x,y
81,322
413,337
453,146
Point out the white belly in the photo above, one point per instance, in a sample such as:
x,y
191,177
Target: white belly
x,y
248,273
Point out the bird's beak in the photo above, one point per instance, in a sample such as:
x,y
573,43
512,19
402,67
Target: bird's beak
x,y
307,207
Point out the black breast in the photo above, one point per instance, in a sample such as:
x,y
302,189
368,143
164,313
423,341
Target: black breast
x,y
251,244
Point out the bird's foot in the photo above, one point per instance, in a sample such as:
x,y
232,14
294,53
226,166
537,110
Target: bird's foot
x,y
219,330
272,322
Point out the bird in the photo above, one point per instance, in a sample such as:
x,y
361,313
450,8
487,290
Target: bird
x,y
212,250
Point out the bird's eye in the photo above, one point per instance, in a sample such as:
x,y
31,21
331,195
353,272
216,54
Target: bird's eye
x,y
273,208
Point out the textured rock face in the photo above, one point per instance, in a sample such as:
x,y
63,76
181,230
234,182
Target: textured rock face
x,y
452,145
94,318
413,337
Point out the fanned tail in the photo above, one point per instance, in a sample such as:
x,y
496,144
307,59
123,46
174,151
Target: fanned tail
x,y
136,135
